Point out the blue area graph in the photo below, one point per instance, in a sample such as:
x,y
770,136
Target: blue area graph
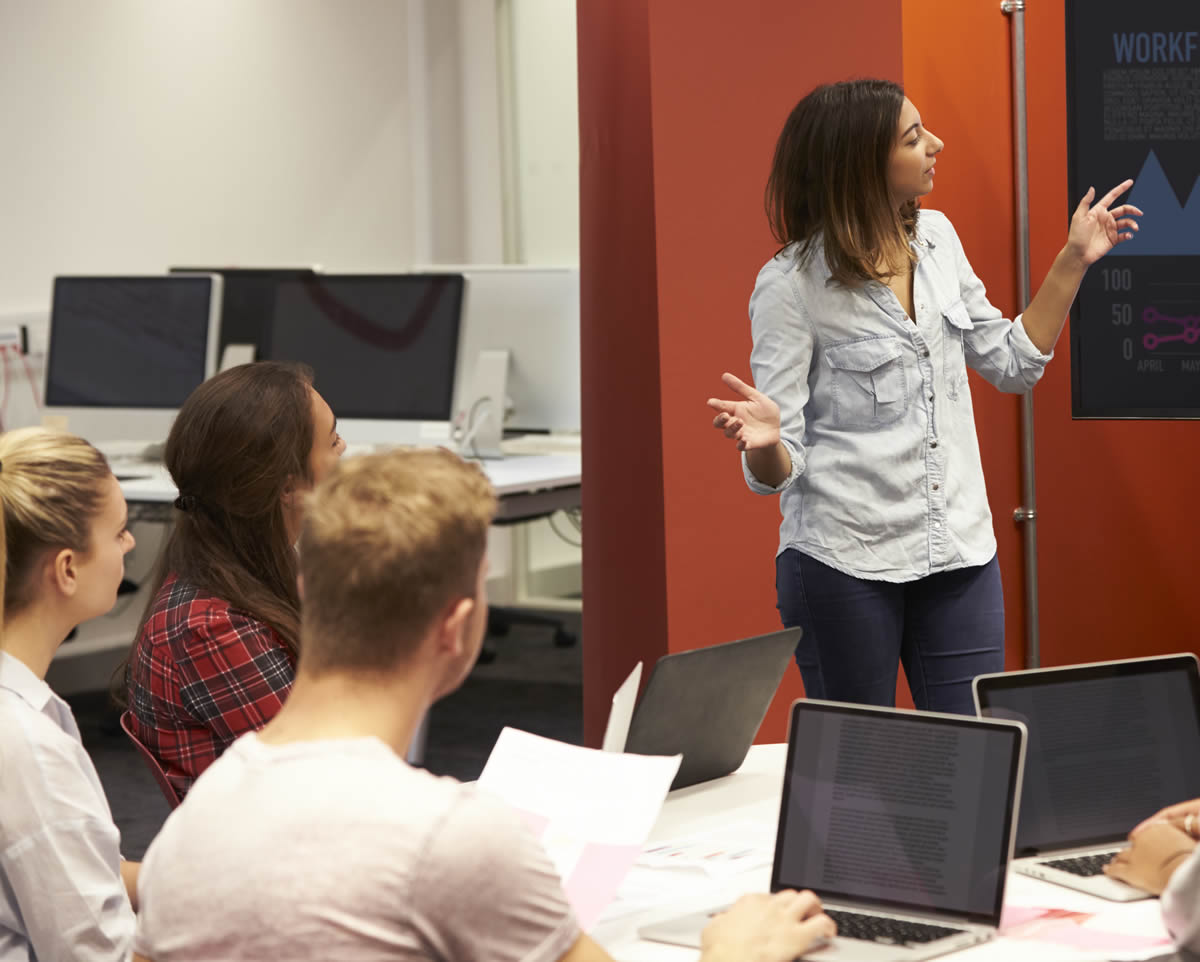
x,y
1166,227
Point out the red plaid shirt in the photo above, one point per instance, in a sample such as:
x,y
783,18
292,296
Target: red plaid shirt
x,y
202,674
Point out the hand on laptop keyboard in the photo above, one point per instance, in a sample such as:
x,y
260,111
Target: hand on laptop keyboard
x,y
1153,855
766,928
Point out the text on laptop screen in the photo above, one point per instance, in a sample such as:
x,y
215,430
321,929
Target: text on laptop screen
x,y
1104,752
912,812
127,342
381,346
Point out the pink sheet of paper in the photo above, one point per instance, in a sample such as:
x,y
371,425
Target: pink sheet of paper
x,y
1079,937
1014,915
1063,927
596,877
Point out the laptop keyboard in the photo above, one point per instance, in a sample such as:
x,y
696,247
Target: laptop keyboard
x,y
878,928
1085,865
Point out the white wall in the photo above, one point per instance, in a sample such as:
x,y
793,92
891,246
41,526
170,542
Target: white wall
x,y
143,133
354,134
538,45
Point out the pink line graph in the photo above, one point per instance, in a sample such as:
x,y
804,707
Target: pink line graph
x,y
1189,325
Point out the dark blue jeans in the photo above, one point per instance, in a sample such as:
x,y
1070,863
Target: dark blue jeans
x,y
945,629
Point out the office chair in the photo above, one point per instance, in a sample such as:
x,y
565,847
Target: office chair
x,y
501,620
160,776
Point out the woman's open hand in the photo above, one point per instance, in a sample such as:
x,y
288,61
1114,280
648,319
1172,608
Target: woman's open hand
x,y
752,420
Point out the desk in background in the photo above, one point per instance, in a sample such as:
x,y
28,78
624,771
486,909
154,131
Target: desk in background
x,y
528,486
753,793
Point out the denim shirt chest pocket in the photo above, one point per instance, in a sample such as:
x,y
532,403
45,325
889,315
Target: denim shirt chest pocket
x,y
868,383
954,358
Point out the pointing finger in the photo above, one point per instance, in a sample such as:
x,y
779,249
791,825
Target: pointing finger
x,y
1115,193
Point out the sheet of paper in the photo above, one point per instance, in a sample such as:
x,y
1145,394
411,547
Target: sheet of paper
x,y
720,853
592,810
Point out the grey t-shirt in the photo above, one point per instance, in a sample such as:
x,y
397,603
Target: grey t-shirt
x,y
340,850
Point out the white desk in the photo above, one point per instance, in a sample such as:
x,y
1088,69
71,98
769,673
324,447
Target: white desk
x,y
527,484
753,792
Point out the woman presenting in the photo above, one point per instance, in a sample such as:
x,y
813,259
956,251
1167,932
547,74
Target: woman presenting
x,y
864,325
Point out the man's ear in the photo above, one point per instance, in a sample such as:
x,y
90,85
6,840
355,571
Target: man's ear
x,y
454,624
64,567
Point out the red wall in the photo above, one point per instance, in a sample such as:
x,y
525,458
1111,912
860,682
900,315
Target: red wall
x,y
715,89
624,569
679,110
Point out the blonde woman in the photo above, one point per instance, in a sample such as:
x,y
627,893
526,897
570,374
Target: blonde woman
x,y
64,891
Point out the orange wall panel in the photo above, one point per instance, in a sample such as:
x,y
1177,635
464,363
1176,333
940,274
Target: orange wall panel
x,y
1115,552
1118,544
957,73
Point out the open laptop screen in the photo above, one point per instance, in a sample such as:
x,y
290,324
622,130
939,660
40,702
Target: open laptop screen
x,y
1109,745
898,809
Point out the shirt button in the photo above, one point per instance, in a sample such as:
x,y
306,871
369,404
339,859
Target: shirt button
x,y
933,444
925,353
931,397
935,486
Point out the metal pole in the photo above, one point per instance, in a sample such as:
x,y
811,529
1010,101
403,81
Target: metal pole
x,y
1026,514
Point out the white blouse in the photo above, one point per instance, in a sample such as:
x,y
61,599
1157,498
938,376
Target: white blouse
x,y
61,894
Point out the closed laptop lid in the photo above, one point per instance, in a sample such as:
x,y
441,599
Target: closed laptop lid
x,y
707,704
1110,743
908,811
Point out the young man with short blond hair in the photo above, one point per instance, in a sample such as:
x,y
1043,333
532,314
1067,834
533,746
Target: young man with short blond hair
x,y
326,843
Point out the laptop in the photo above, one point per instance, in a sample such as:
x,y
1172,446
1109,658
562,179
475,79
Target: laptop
x,y
1110,744
902,822
707,704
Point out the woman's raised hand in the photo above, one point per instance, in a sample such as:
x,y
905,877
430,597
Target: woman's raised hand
x,y
1095,230
752,420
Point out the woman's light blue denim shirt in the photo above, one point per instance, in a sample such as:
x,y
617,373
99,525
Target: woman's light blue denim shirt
x,y
886,481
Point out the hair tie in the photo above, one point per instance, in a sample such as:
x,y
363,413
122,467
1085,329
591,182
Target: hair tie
x,y
186,503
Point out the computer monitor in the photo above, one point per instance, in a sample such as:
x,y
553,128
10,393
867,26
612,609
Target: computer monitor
x,y
247,302
382,348
533,313
124,352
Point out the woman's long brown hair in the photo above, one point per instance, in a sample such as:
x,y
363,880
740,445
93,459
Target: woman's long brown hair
x,y
828,181
240,440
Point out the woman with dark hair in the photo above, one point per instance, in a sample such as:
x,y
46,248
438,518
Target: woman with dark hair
x,y
864,325
216,652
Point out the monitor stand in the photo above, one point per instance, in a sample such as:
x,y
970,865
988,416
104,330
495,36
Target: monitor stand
x,y
483,426
235,355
